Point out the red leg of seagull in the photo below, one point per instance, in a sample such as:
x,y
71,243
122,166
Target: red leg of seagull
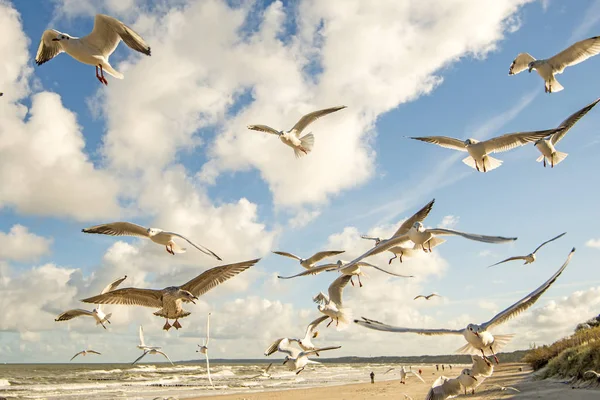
x,y
495,358
176,324
392,259
98,76
330,322
102,76
167,326
360,283
351,281
337,321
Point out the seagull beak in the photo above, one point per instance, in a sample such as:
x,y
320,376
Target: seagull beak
x,y
530,68
193,298
476,334
473,377
285,362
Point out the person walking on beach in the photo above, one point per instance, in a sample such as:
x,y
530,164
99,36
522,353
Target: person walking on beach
x,y
442,367
437,367
450,367
420,371
372,377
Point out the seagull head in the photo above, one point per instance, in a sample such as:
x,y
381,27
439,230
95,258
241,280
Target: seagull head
x,y
61,37
531,66
471,141
153,231
418,226
474,329
187,296
468,372
287,358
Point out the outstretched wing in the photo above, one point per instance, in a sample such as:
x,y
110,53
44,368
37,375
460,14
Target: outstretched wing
x,y
380,326
78,312
263,128
207,329
336,289
312,117
215,276
570,121
286,254
81,352
93,352
420,296
311,328
509,259
417,375
142,356
118,229
198,246
528,300
323,254
443,141
130,297
321,349
312,271
510,141
471,236
548,241
521,63
113,285
165,355
109,31
142,342
365,264
48,48
419,216
575,54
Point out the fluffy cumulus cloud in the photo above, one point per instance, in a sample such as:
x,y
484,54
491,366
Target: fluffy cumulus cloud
x,y
21,245
593,243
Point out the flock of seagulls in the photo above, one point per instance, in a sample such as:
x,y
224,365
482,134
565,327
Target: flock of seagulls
x,y
410,238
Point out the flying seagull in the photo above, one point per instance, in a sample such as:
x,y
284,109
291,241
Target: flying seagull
x,y
93,49
312,260
404,372
301,145
332,305
84,353
546,146
149,349
428,296
156,235
444,388
354,270
97,312
478,338
479,152
264,374
204,349
170,299
529,258
298,359
556,64
305,343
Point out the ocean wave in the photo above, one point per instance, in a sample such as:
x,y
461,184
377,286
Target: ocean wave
x,y
4,382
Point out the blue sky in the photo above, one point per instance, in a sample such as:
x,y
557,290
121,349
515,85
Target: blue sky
x,y
206,162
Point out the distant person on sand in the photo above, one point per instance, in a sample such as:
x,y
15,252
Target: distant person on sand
x,y
442,367
420,371
372,377
450,367
437,367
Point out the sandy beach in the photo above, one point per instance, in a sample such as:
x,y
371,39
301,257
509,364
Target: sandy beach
x,y
504,375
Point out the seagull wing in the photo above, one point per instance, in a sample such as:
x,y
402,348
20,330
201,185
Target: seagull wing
x,y
208,370
142,342
263,128
572,120
77,312
268,368
323,254
509,259
419,296
419,216
336,288
510,141
285,346
81,352
286,254
312,271
313,116
575,54
310,329
389,370
207,329
165,355
142,356
130,297
365,264
93,352
48,48
113,285
417,375
309,352
118,229
109,31
520,64
380,326
215,276
199,247
528,300
383,246
471,236
273,348
548,241
443,141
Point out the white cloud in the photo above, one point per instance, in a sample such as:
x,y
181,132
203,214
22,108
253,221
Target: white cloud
x,y
21,245
449,221
303,218
593,243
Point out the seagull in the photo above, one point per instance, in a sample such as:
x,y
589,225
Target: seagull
x,y
428,296
401,252
299,359
332,305
468,380
403,374
444,388
339,266
149,349
305,343
97,312
171,299
479,157
312,260
93,49
481,367
478,338
529,258
264,374
591,372
156,235
556,64
546,146
504,388
204,349
301,145
84,353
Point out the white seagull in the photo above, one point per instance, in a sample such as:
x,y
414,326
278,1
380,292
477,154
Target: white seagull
x,y
170,299
478,337
479,152
444,388
204,349
305,343
149,349
404,372
468,380
332,305
84,353
529,258
354,270
481,367
97,313
309,262
93,49
546,146
556,64
298,359
427,297
264,374
301,145
158,236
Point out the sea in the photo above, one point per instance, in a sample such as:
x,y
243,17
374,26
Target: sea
x,y
162,381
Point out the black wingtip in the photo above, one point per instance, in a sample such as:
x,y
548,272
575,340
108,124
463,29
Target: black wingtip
x,y
573,250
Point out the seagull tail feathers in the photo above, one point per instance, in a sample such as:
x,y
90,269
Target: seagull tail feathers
x,y
553,85
105,319
540,158
112,72
491,163
557,157
470,161
177,248
307,142
344,318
